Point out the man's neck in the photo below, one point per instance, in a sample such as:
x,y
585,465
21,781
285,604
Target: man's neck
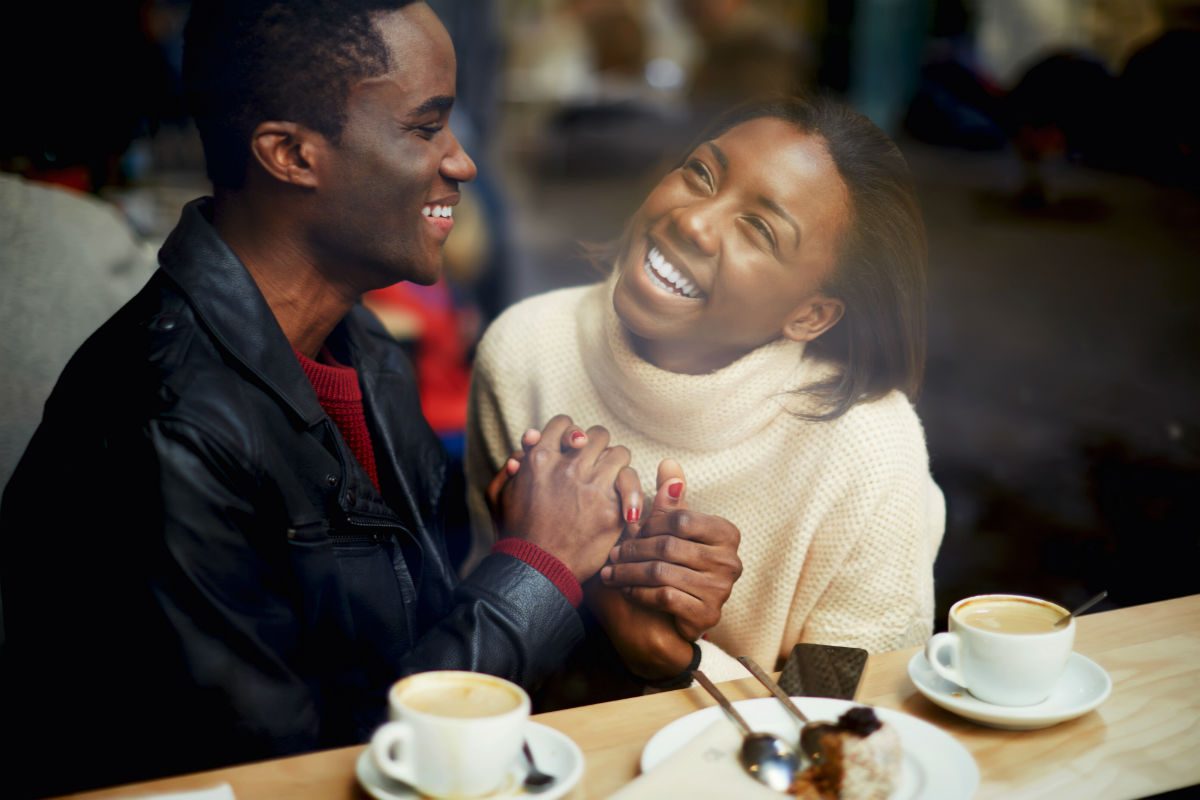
x,y
306,301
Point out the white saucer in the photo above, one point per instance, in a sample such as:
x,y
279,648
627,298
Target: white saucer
x,y
1083,686
554,753
934,766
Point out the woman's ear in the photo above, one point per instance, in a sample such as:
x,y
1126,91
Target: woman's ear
x,y
813,317
287,151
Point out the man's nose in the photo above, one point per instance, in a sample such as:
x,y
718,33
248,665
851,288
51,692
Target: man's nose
x,y
697,224
457,165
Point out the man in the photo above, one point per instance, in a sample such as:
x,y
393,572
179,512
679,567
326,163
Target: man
x,y
222,544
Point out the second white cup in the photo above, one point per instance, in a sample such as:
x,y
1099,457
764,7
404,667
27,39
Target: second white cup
x,y
1003,648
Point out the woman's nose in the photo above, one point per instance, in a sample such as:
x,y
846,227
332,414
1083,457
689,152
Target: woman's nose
x,y
457,165
697,224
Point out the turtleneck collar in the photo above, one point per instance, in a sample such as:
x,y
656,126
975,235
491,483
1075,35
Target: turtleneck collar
x,y
691,412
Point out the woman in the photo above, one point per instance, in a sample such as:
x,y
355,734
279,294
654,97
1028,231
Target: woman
x,y
765,326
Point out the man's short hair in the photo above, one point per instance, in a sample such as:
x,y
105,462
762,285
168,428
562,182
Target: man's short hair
x,y
256,60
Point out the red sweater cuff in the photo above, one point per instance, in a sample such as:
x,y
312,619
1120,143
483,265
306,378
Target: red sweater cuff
x,y
543,562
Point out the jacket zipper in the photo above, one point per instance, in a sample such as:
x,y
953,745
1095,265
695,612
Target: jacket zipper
x,y
377,536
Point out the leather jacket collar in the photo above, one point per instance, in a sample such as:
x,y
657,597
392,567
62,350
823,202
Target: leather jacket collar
x,y
229,304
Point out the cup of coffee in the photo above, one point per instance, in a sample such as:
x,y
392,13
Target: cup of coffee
x,y
452,734
1003,648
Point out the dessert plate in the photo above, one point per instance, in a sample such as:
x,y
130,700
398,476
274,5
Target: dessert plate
x,y
1083,686
934,765
553,751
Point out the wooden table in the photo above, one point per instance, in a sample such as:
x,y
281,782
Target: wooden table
x,y
1145,739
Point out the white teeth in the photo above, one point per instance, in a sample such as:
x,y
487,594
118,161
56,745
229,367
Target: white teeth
x,y
438,211
666,276
426,211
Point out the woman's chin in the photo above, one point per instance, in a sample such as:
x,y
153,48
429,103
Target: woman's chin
x,y
633,317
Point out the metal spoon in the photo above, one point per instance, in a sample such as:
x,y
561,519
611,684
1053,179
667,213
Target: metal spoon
x,y
535,780
769,760
1063,620
809,743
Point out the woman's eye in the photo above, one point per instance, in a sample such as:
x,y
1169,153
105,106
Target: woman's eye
x,y
429,131
763,229
701,173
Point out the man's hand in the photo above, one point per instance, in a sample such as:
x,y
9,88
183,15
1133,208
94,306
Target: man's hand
x,y
680,562
563,496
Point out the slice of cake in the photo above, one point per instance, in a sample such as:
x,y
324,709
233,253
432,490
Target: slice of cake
x,y
860,759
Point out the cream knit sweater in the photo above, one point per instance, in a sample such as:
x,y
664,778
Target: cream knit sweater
x,y
840,520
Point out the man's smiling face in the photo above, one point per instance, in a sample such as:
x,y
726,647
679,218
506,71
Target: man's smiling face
x,y
390,181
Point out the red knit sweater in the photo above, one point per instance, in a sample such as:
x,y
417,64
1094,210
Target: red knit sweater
x,y
338,392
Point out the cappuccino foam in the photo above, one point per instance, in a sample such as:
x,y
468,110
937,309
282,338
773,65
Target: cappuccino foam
x,y
1010,615
463,698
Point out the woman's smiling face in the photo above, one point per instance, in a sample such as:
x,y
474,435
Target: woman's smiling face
x,y
730,250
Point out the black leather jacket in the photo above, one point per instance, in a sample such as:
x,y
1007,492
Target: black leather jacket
x,y
197,571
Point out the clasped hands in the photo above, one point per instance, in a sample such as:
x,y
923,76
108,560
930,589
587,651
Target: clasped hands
x,y
656,578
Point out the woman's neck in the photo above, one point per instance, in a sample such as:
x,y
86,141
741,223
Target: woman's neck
x,y
686,358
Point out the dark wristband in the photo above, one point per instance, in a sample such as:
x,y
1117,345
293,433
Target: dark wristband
x,y
683,679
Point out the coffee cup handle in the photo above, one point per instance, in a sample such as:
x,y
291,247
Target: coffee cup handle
x,y
394,738
949,642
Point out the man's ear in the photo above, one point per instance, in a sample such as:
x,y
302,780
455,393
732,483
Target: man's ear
x,y
287,151
813,317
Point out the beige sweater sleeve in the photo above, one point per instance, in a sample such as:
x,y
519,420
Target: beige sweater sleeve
x,y
881,596
487,448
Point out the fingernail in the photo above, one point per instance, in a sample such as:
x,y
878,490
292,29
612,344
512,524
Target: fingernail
x,y
606,573
512,466
675,489
633,514
577,435
615,553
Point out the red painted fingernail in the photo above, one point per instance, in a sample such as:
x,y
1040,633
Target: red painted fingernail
x,y
675,489
577,435
633,515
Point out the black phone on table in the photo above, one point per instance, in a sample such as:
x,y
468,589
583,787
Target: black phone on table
x,y
823,670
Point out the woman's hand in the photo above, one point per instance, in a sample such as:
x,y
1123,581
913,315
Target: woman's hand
x,y
647,640
679,562
511,466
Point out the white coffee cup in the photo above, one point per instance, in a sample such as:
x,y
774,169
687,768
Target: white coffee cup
x,y
453,734
1003,648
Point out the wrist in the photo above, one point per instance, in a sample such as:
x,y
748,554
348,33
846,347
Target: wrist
x,y
669,659
546,563
683,678
565,556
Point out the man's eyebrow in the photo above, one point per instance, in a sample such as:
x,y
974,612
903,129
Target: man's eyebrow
x,y
784,215
441,102
719,155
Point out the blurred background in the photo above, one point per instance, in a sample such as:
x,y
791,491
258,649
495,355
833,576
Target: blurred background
x,y
1055,144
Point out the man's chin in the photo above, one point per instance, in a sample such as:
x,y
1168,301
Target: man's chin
x,y
426,273
426,277
429,270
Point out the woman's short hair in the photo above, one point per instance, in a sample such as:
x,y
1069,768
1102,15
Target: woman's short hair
x,y
880,272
